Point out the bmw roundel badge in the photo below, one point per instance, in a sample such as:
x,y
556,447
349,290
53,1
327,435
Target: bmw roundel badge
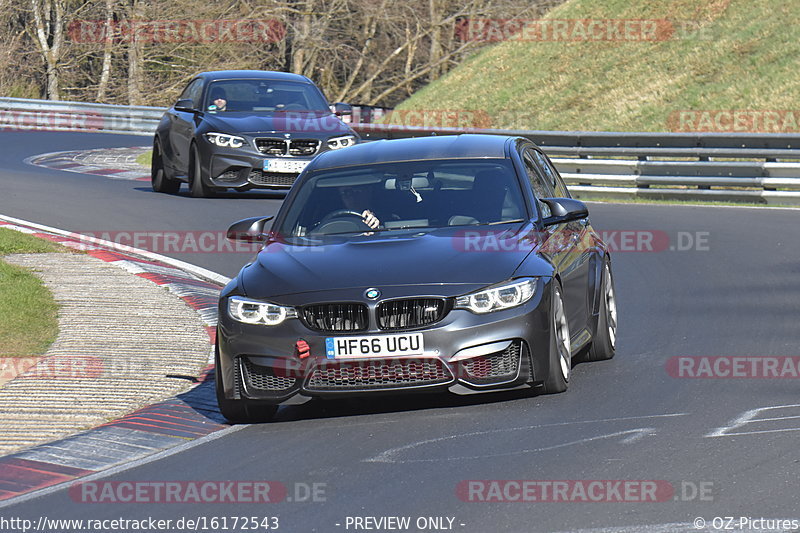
x,y
372,294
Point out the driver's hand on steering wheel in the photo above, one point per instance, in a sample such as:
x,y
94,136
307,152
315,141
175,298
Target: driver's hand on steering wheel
x,y
370,219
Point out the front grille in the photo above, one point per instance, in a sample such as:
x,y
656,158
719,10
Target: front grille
x,y
378,374
264,378
259,177
272,146
303,147
334,318
498,366
410,313
293,147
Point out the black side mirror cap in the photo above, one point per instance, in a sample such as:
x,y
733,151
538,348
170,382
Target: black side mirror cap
x,y
341,109
249,230
564,210
184,105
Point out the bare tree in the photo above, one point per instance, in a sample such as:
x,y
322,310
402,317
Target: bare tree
x,y
108,47
362,51
48,16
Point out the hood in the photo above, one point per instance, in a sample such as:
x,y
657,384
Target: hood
x,y
313,122
449,261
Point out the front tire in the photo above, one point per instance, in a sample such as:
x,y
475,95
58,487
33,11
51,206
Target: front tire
x,y
158,176
197,188
240,411
605,338
560,348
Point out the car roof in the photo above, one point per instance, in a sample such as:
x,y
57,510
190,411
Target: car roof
x,y
466,146
252,74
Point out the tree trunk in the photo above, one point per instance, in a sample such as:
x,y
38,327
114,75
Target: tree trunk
x,y
48,17
108,47
435,11
134,58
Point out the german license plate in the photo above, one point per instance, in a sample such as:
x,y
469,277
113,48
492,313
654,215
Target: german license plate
x,y
289,166
409,344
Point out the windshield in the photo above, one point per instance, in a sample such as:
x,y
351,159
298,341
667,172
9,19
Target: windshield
x,y
267,96
415,194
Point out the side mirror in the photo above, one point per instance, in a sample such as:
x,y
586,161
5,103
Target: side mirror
x,y
249,230
564,210
185,104
340,109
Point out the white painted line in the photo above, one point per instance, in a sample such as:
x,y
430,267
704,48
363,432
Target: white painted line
x,y
122,468
632,435
388,456
200,272
750,417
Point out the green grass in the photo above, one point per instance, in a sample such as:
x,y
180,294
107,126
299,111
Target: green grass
x,y
145,158
743,58
14,242
28,313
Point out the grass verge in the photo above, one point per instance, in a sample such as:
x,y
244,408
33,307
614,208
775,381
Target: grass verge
x,y
145,158
28,312
714,55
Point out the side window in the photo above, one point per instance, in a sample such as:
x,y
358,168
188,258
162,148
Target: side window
x,y
192,92
552,175
562,187
540,185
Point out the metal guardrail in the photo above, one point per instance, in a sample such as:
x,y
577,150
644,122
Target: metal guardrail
x,y
684,166
657,165
642,146
25,114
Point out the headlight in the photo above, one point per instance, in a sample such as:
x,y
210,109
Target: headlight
x,y
255,312
225,140
335,143
503,296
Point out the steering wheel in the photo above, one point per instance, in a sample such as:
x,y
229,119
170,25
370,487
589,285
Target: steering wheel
x,y
329,221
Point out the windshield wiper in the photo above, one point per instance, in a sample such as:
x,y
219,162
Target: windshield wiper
x,y
515,221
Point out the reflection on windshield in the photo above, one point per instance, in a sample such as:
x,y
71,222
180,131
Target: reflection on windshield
x,y
406,196
255,96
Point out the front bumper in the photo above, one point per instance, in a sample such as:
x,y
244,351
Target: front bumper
x,y
464,353
243,168
245,171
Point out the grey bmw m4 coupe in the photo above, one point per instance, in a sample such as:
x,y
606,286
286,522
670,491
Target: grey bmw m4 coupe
x,y
457,264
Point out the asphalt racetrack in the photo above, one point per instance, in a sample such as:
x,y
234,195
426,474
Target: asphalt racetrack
x,y
725,284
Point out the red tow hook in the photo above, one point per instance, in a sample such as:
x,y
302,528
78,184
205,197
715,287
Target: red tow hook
x,y
301,349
